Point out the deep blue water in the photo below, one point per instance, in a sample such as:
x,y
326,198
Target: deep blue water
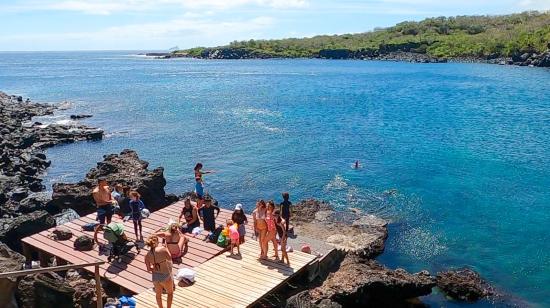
x,y
465,145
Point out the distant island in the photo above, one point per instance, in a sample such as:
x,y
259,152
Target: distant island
x,y
521,39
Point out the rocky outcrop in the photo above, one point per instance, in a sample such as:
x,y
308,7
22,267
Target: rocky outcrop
x,y
12,230
352,232
361,282
22,162
464,285
9,261
125,168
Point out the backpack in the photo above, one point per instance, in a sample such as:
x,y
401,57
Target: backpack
x,y
90,226
213,236
84,243
112,232
222,241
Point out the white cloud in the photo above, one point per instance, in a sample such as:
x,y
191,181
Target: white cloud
x,y
542,5
184,32
106,7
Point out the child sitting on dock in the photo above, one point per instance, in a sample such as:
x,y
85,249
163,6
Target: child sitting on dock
x,y
136,206
234,236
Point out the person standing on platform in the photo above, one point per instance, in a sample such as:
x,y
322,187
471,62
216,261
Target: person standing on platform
x,y
284,207
206,213
159,262
104,201
199,184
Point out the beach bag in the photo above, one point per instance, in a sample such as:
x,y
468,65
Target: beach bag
x,y
90,226
213,236
84,243
222,241
112,232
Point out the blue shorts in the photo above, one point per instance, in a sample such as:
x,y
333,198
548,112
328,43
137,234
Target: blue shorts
x,y
199,190
105,212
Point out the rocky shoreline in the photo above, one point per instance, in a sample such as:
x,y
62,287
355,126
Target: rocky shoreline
x,y
532,59
352,277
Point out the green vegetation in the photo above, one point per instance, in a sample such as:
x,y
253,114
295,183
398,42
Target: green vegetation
x,y
443,37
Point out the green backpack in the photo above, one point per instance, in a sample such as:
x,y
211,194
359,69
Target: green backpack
x,y
112,232
222,241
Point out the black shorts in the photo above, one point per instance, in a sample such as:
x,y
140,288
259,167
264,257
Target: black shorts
x,y
105,212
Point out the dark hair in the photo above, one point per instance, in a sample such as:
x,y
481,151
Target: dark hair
x,y
101,179
134,193
198,166
285,195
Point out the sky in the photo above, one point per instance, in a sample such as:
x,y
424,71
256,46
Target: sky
x,y
44,25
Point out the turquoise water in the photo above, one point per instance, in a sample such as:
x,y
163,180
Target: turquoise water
x,y
465,145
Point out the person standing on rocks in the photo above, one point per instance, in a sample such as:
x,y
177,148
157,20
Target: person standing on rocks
x,y
285,209
199,184
104,201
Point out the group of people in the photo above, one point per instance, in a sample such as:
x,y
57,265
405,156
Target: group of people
x,y
121,200
269,223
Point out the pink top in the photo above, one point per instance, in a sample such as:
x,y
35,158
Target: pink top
x,y
233,232
270,220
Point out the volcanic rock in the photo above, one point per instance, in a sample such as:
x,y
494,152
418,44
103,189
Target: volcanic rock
x,y
464,285
362,282
12,230
9,261
125,168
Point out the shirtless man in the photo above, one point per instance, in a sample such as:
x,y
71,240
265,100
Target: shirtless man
x,y
104,201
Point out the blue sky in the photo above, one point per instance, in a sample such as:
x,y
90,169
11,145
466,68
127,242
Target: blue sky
x,y
161,24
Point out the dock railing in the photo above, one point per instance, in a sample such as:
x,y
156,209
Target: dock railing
x,y
63,268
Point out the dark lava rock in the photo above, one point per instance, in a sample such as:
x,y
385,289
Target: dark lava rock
x,y
305,210
9,261
80,116
464,284
66,216
125,168
363,282
50,290
12,230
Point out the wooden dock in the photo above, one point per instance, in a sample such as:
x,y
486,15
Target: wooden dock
x,y
207,259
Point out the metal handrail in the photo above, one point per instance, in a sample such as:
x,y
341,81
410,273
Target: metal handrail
x,y
62,268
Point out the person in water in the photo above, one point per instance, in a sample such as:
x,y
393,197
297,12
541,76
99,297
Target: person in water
x,y
284,208
191,215
136,205
206,213
199,184
175,240
104,201
356,165
158,261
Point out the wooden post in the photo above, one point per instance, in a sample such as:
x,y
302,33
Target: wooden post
x,y
43,258
27,252
98,288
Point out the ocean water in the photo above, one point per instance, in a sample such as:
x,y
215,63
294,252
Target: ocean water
x,y
466,147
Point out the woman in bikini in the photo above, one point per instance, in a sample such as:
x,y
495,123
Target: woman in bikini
x,y
175,240
260,227
199,186
271,235
159,263
190,213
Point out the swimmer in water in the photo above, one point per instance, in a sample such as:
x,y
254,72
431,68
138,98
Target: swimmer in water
x,y
356,165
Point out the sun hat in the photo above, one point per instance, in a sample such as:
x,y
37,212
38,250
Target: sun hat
x,y
238,207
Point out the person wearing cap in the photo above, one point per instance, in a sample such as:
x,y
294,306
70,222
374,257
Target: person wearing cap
x,y
240,219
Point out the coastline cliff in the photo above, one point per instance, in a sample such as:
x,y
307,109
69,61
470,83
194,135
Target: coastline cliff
x,y
518,39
